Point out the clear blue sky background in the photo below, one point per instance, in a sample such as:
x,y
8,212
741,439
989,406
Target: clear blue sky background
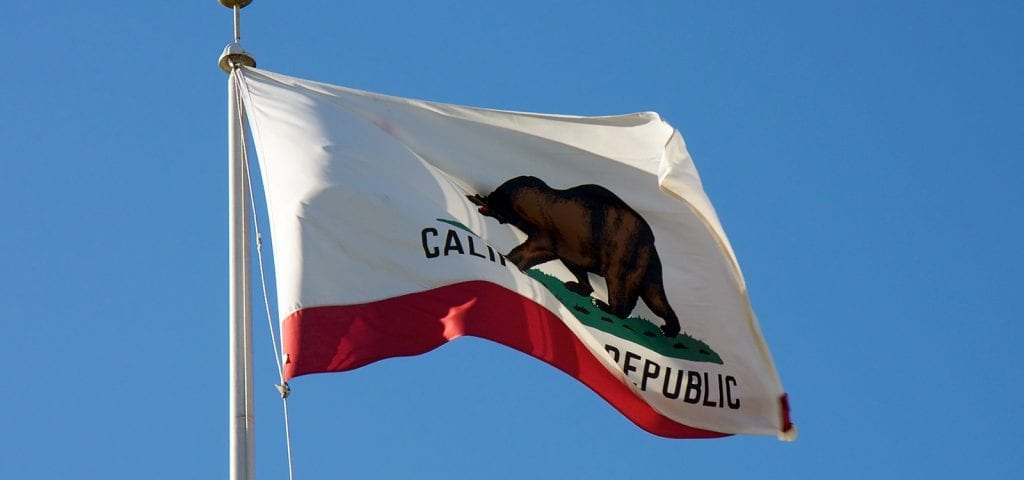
x,y
864,158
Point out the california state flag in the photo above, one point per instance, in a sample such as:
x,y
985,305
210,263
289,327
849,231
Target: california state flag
x,y
586,242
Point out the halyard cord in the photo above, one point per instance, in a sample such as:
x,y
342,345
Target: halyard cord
x,y
283,387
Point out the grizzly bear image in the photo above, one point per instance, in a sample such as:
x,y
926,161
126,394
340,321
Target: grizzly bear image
x,y
590,230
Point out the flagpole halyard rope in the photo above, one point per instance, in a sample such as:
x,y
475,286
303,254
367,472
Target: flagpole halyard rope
x,y
283,388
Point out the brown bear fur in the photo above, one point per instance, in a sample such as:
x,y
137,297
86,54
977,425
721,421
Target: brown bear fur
x,y
590,230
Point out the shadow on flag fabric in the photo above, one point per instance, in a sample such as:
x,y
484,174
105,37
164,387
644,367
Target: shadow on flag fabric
x,y
586,242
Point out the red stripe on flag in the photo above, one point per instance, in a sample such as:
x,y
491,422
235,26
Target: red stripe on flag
x,y
339,338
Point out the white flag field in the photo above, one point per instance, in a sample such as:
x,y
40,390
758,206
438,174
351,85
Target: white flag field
x,y
586,242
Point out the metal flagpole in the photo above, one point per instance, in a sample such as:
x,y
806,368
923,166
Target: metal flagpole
x,y
242,421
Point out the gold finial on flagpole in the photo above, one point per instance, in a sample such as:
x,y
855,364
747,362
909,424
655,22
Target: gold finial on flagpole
x,y
234,55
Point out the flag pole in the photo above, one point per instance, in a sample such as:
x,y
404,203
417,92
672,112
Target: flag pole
x,y
241,402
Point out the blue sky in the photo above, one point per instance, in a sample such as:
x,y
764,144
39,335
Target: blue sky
x,y
864,159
